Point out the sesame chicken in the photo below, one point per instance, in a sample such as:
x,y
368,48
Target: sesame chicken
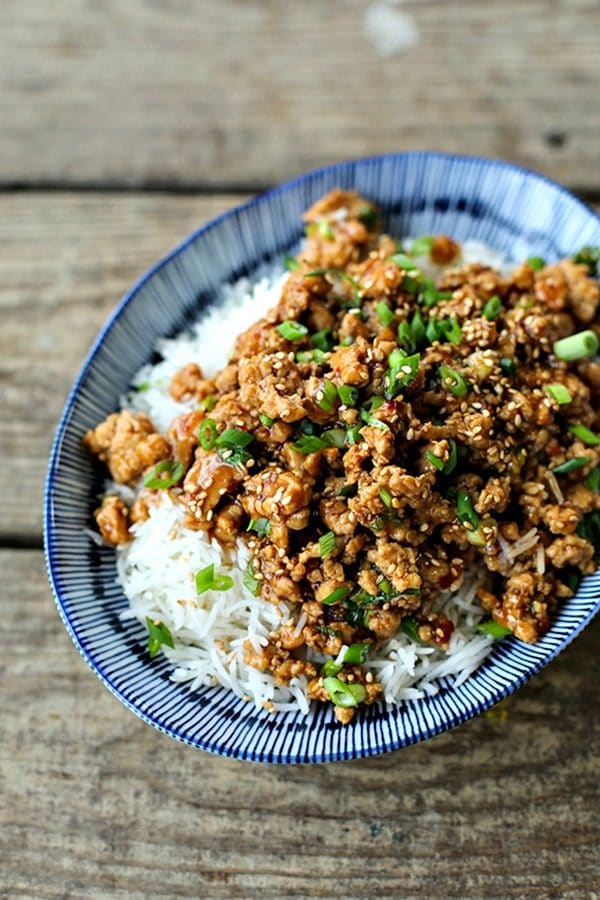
x,y
366,481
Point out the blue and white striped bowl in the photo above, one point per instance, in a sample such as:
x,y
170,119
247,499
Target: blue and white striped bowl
x,y
514,210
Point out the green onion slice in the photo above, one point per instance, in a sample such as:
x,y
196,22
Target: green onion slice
x,y
207,434
592,482
267,421
454,381
385,314
292,330
322,340
421,246
206,580
251,581
208,403
403,261
590,257
309,443
559,393
335,437
369,407
231,443
386,497
584,434
335,596
355,654
508,366
451,330
571,465
465,511
492,308
342,694
291,264
330,669
353,435
435,461
173,473
261,527
327,396
493,629
327,544
368,216
450,464
410,627
402,371
348,395
406,338
536,263
158,634
576,346
325,229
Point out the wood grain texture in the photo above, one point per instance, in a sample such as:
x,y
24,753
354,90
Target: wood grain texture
x,y
97,804
229,92
65,260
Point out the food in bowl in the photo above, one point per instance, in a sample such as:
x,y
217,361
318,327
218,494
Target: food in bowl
x,y
398,463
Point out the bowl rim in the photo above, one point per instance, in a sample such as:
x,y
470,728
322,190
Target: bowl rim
x,y
49,538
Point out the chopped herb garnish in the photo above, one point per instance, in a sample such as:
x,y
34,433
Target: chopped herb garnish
x,y
327,396
585,435
356,654
251,582
536,263
309,443
369,407
322,340
592,482
406,338
350,490
417,327
368,216
465,511
158,634
353,435
292,330
571,465
143,386
291,264
165,474
330,669
206,580
435,461
410,627
559,393
589,528
208,403
308,356
207,434
454,381
348,395
231,443
421,246
342,694
335,596
325,229
590,257
576,346
386,497
267,421
347,341
450,464
432,332
493,629
402,371
335,437
385,314
492,308
326,544
403,261
451,330
261,527
430,296
508,366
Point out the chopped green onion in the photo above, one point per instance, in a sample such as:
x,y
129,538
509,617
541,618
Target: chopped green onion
x,y
335,437
327,396
403,261
292,330
450,464
231,443
342,694
493,629
349,490
417,327
368,408
592,482
267,421
432,332
326,544
386,497
330,669
348,395
451,330
536,263
386,316
590,257
406,338
492,308
454,381
430,295
584,434
421,246
208,403
465,510
307,356
335,596
368,216
207,434
143,386
206,580
559,393
322,340
325,229
410,627
356,654
576,346
589,528
508,366
261,527
347,341
413,284
173,474
291,264
401,372
158,634
435,460
572,578
386,587
251,581
353,435
309,443
571,465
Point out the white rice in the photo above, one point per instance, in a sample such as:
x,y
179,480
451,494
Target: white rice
x,y
157,569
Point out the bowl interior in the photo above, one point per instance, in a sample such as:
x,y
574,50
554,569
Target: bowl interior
x,y
511,209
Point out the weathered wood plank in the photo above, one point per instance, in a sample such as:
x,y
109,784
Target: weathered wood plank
x,y
97,804
64,262
249,93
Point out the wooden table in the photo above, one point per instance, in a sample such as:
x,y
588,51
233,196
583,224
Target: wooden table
x,y
124,125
